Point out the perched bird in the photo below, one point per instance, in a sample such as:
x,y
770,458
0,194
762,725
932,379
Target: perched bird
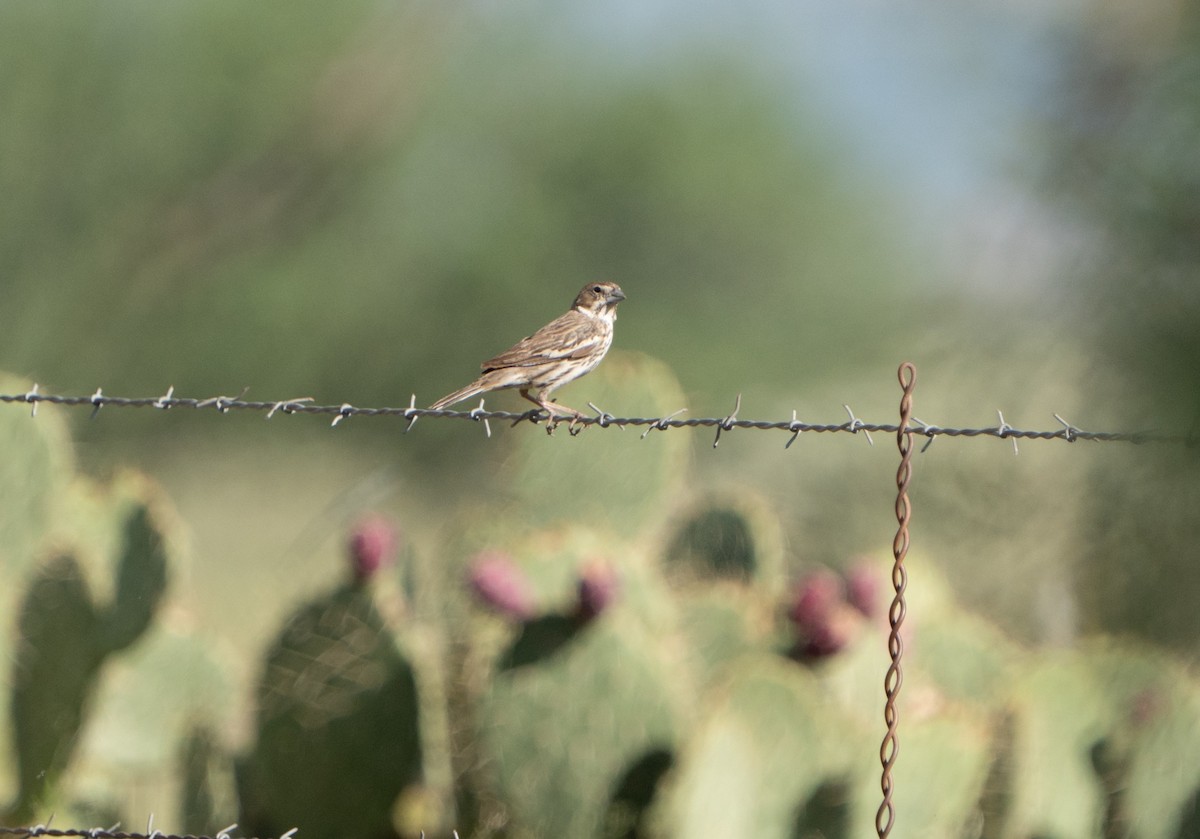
x,y
559,352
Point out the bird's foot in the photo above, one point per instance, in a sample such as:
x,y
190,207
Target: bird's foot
x,y
557,413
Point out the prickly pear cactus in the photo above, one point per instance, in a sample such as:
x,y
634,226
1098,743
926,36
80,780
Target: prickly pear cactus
x,y
604,477
578,737
939,777
1152,775
1059,718
54,679
720,623
34,473
338,729
207,795
148,702
727,536
768,743
66,636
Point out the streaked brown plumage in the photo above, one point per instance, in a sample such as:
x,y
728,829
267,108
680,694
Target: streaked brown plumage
x,y
559,352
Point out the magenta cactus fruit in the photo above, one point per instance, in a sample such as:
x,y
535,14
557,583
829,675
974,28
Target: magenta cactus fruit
x,y
862,588
373,543
815,598
501,585
825,622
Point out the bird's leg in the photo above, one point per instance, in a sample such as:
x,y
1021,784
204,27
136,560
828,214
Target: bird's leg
x,y
550,406
554,408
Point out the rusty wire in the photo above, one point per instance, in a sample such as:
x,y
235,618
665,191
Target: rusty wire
x,y
890,748
305,405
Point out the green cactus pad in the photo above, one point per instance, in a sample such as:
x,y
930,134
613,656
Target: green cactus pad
x,y
207,797
141,581
604,477
1059,718
1155,737
968,659
727,536
766,745
722,622
148,701
581,735
54,678
66,638
338,736
939,777
34,472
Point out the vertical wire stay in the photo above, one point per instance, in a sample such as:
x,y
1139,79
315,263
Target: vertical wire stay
x,y
886,816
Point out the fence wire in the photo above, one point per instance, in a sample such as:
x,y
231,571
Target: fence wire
x,y
885,817
35,831
1066,431
115,832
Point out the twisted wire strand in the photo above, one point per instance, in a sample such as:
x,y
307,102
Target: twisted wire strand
x,y
35,831
603,419
890,748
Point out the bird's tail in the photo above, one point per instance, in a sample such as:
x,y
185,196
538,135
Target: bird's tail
x,y
473,389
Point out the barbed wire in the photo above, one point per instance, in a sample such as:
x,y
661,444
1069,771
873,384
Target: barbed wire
x,y
1068,432
115,832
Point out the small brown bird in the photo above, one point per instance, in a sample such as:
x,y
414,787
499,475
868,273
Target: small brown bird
x,y
559,352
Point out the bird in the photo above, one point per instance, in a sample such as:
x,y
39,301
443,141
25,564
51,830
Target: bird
x,y
560,352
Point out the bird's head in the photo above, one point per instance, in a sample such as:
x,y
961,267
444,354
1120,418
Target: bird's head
x,y
599,299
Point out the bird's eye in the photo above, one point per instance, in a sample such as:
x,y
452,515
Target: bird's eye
x,y
597,290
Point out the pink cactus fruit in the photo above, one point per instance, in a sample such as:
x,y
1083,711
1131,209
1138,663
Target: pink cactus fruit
x,y
501,585
373,542
825,623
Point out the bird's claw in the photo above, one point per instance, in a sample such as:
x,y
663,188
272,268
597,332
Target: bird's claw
x,y
553,418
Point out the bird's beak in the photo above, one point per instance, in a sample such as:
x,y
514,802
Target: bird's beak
x,y
615,296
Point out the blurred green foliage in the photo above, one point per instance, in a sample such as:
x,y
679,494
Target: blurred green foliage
x,y
364,201
1126,166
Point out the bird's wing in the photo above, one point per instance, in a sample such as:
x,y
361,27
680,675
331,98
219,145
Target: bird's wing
x,y
571,336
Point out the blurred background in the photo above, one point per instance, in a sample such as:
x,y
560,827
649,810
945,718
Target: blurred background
x,y
357,202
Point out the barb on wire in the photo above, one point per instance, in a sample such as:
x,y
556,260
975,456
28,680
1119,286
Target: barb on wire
x,y
477,414
165,400
339,413
1072,431
286,405
727,423
663,423
604,419
410,413
856,425
795,426
1004,430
